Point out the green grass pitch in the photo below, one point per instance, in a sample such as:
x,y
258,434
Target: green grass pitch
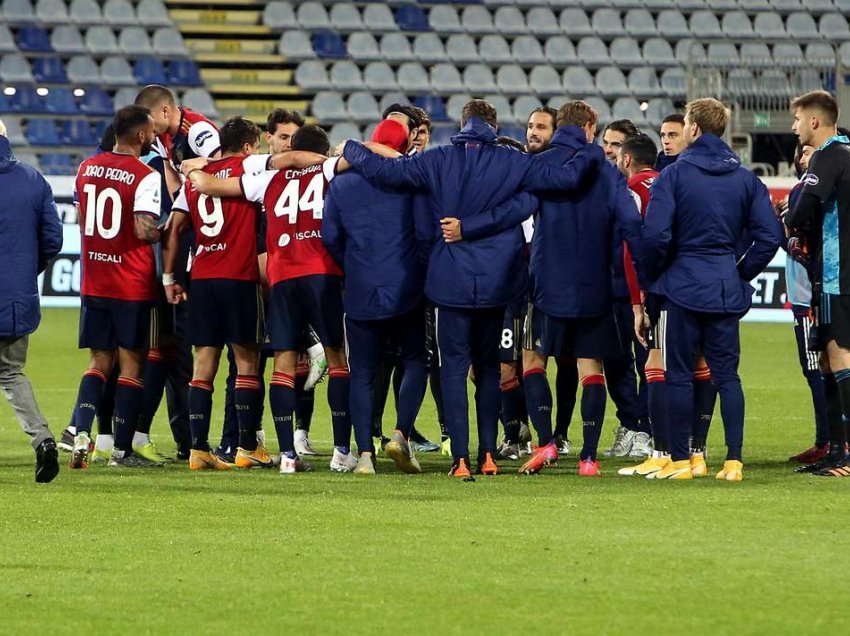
x,y
173,552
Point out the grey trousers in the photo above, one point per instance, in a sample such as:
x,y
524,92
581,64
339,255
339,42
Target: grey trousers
x,y
16,386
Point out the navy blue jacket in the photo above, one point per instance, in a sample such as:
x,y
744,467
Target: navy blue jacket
x,y
377,236
574,232
663,161
699,210
30,235
471,177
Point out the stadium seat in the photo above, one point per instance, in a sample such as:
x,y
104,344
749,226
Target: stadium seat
x,y
786,6
379,77
312,75
704,24
806,80
279,15
442,135
85,12
387,99
494,49
7,40
199,100
328,106
560,51
769,26
433,105
43,132
606,23
833,26
685,49
674,81
477,19
461,49
478,79
134,41
52,12
672,24
658,52
756,54
168,42
445,78
14,131
116,70
657,109
755,5
788,54
643,82
343,131
843,6
82,69
509,21
542,21
575,23
577,80
152,13
67,38
503,109
526,50
313,16
692,5
125,96
625,52
379,18
628,108
26,100
723,53
33,39
295,45
639,24
774,82
345,75
523,107
362,107
78,132
14,68
544,80
444,19
184,72
60,101
455,103
149,70
844,52
96,102
512,80
101,40
412,77
363,47
737,25
801,26
57,164
610,81
593,52
429,49
18,12
819,6
602,108
49,70
395,47
410,18
328,44
119,13
820,54
345,17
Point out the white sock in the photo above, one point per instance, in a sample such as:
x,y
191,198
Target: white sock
x,y
118,453
72,430
104,442
140,439
300,435
658,454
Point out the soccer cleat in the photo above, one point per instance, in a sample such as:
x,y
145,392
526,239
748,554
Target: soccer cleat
x,y
733,470
365,464
487,466
302,443
66,442
422,444
641,447
317,364
150,452
101,456
121,460
446,447
227,455
46,462
258,457
206,460
698,466
460,469
292,465
543,456
675,470
623,441
811,455
589,468
524,436
508,452
648,468
563,445
824,462
343,462
80,451
401,452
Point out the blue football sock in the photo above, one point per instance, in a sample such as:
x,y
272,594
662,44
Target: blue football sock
x,y
593,399
538,397
128,401
282,401
339,387
200,410
89,398
248,398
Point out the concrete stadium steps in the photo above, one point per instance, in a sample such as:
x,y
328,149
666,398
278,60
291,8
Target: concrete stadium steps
x,y
228,37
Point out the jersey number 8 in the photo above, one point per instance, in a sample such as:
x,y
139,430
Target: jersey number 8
x,y
96,211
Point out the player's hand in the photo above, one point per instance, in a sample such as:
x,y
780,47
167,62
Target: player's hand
x,y
782,208
175,294
451,229
641,325
191,164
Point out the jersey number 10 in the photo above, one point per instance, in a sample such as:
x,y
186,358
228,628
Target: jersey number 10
x,y
95,211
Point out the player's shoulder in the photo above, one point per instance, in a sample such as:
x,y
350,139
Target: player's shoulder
x,y
191,117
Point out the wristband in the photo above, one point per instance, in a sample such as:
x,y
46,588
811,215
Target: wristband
x,y
168,279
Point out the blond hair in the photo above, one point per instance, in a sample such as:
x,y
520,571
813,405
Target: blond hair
x,y
709,114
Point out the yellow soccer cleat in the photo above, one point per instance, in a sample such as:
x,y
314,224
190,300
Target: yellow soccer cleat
x,y
733,470
258,457
205,460
675,470
698,466
647,468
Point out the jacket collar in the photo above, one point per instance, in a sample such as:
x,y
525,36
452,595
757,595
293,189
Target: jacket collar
x,y
572,137
476,130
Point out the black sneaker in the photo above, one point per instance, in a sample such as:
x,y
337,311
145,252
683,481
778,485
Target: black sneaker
x,y
227,455
66,442
183,454
422,444
822,464
133,460
46,461
840,468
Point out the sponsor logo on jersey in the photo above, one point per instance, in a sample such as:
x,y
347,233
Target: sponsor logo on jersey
x,y
105,258
284,240
203,137
811,179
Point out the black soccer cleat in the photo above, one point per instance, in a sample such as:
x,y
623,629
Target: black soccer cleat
x,y
66,442
46,462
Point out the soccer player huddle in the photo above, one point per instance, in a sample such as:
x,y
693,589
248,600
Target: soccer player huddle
x,y
476,262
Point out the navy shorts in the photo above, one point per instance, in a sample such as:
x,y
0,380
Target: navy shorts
x,y
652,306
109,323
510,343
299,303
590,338
223,311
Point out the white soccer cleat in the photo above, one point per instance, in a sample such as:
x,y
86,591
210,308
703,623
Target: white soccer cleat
x,y
318,365
623,442
290,466
302,443
343,462
641,446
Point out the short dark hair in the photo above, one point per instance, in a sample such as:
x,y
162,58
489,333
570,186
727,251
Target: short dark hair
x,y
153,95
675,118
236,132
624,126
423,116
129,120
819,100
481,109
576,113
311,138
642,149
107,140
412,117
504,140
545,109
283,116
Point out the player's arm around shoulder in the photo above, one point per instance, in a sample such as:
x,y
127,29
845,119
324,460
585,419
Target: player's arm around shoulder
x,y
208,184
